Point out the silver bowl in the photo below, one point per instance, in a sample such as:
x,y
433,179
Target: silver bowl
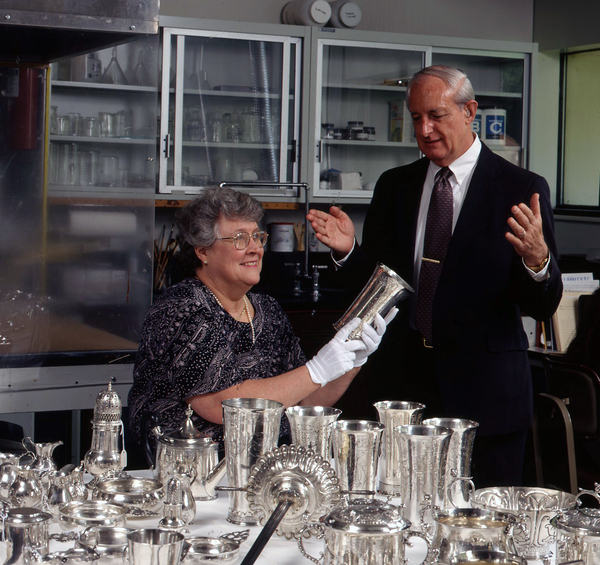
x,y
142,497
91,513
108,542
212,550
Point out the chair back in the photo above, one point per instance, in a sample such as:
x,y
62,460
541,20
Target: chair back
x,y
579,387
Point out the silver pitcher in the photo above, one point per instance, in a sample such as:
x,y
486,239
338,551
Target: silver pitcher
x,y
362,532
382,292
311,427
356,450
423,453
26,490
251,429
8,473
42,462
25,528
393,413
460,455
189,452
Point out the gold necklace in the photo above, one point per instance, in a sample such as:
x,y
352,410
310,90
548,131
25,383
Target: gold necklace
x,y
246,309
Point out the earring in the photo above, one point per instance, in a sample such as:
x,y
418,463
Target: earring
x,y
206,262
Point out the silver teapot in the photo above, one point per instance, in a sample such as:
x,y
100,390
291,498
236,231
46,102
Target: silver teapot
x,y
189,452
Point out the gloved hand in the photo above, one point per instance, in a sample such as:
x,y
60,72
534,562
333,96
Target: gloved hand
x,y
337,357
372,336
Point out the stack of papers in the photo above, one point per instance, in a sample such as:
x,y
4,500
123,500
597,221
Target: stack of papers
x,y
565,317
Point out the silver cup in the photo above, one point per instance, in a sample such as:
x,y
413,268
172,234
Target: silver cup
x,y
393,413
460,455
153,547
423,453
356,451
251,428
381,293
311,427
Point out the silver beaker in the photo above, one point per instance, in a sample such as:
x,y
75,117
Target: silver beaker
x,y
423,453
381,293
393,413
356,450
460,454
311,427
251,427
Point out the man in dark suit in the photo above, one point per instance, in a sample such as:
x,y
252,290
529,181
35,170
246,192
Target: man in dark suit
x,y
470,359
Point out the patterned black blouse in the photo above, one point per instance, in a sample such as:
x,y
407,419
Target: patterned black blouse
x,y
190,345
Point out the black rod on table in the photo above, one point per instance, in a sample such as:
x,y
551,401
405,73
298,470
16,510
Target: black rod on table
x,y
267,531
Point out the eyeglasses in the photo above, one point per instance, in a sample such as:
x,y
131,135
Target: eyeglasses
x,y
242,240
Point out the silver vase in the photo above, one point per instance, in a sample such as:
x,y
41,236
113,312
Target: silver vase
x,y
393,413
423,453
460,454
356,450
382,292
311,427
251,427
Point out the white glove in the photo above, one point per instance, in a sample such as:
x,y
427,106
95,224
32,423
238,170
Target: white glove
x,y
372,336
337,357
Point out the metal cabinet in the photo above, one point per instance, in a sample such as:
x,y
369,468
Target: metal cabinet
x,y
230,109
359,123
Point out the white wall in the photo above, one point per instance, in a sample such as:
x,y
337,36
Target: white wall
x,y
509,20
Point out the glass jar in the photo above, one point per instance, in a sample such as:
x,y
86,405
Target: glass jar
x,y
360,134
338,133
370,133
327,131
354,127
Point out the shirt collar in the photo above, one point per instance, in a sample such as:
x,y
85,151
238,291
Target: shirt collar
x,y
462,166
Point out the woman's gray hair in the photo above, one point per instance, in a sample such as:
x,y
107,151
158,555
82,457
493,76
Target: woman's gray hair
x,y
197,221
454,78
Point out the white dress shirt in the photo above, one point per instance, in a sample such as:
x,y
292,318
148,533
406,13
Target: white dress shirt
x,y
462,172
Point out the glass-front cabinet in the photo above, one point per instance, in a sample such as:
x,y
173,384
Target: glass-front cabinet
x,y
501,84
361,126
230,108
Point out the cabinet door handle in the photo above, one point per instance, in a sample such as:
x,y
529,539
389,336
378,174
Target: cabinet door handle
x,y
319,151
168,145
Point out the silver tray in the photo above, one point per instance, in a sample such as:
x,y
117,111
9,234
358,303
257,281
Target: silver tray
x,y
292,468
142,497
91,513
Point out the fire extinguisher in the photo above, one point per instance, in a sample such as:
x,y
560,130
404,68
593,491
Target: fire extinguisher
x,y
23,108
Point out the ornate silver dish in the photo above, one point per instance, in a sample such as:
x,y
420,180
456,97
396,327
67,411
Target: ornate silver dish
x,y
142,497
535,507
296,473
91,513
212,550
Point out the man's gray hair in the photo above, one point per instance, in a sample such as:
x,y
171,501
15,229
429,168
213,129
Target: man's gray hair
x,y
454,78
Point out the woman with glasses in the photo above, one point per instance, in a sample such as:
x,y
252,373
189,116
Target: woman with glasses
x,y
208,338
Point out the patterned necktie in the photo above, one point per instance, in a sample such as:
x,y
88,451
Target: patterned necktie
x,y
438,231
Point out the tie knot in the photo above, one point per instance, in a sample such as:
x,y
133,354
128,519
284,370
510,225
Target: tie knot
x,y
443,174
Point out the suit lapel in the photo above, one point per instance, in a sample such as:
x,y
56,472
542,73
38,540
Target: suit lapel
x,y
413,191
480,199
